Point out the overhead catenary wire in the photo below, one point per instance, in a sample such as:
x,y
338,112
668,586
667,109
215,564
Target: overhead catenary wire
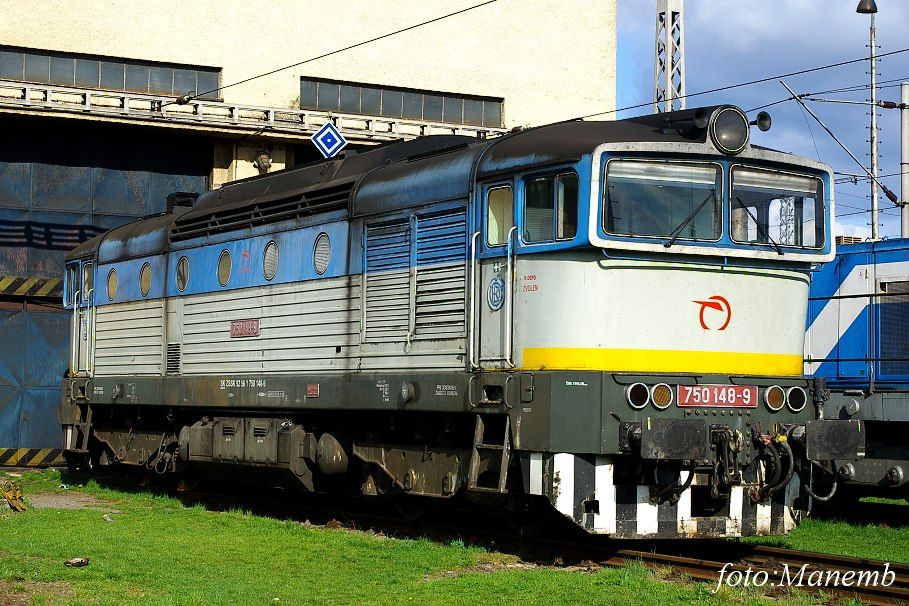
x,y
844,89
184,99
855,178
890,195
748,83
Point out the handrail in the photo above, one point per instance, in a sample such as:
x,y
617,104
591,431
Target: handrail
x,y
472,305
90,347
73,357
509,301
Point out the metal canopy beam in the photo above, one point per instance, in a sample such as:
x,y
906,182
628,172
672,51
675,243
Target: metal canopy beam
x,y
214,117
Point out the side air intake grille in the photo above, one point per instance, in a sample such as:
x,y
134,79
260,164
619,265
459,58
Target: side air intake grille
x,y
261,213
173,358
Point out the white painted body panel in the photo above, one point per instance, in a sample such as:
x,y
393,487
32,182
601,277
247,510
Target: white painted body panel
x,y
312,326
129,339
583,300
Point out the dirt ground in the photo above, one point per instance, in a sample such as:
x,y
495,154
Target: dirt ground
x,y
20,593
66,500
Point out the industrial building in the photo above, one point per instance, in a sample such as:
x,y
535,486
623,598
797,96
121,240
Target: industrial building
x,y
93,137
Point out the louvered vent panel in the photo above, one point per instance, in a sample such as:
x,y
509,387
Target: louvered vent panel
x,y
441,276
173,358
894,326
442,238
261,213
387,270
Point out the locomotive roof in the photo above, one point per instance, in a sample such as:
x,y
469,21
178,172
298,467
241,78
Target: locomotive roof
x,y
394,176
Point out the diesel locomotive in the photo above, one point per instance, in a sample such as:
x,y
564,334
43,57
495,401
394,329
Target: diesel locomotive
x,y
600,319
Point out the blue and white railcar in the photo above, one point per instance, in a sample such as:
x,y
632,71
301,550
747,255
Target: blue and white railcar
x,y
858,341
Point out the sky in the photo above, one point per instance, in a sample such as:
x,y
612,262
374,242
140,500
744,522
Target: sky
x,y
732,41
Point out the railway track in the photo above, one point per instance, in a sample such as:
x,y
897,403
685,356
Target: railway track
x,y
779,568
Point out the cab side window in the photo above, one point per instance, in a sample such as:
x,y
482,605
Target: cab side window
x,y
88,281
72,283
499,214
550,208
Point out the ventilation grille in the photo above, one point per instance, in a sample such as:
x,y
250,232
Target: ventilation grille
x,y
894,325
260,432
173,358
321,255
228,430
270,263
262,213
387,279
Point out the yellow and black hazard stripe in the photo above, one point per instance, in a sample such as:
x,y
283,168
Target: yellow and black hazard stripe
x,y
31,457
16,286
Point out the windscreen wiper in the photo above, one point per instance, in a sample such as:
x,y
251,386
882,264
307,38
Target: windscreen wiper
x,y
761,229
675,233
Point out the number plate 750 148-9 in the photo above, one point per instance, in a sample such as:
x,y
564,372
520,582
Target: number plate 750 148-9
x,y
734,396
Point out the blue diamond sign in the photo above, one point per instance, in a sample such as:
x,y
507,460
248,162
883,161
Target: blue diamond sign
x,y
328,140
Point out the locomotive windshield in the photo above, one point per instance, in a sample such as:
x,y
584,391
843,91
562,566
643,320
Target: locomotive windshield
x,y
677,200
663,199
777,209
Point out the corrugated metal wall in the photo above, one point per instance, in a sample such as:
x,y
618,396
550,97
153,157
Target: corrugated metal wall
x,y
34,349
62,182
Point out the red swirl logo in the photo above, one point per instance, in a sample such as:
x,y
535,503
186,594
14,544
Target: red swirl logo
x,y
718,303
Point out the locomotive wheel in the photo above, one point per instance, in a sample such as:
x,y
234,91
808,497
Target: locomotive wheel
x,y
410,508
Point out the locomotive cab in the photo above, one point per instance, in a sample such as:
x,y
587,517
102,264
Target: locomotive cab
x,y
659,285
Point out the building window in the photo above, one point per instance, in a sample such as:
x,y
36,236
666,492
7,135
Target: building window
x,y
394,102
70,69
551,208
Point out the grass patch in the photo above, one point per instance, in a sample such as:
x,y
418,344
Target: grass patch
x,y
156,551
874,528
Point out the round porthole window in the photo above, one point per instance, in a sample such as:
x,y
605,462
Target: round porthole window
x,y
224,268
321,255
111,284
182,273
270,262
145,279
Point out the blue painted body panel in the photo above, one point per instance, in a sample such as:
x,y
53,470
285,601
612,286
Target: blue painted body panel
x,y
879,334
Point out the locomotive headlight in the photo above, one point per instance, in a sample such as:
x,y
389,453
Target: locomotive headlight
x,y
661,395
774,397
729,130
637,395
796,398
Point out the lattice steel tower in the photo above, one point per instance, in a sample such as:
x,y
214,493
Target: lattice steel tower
x,y
669,57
